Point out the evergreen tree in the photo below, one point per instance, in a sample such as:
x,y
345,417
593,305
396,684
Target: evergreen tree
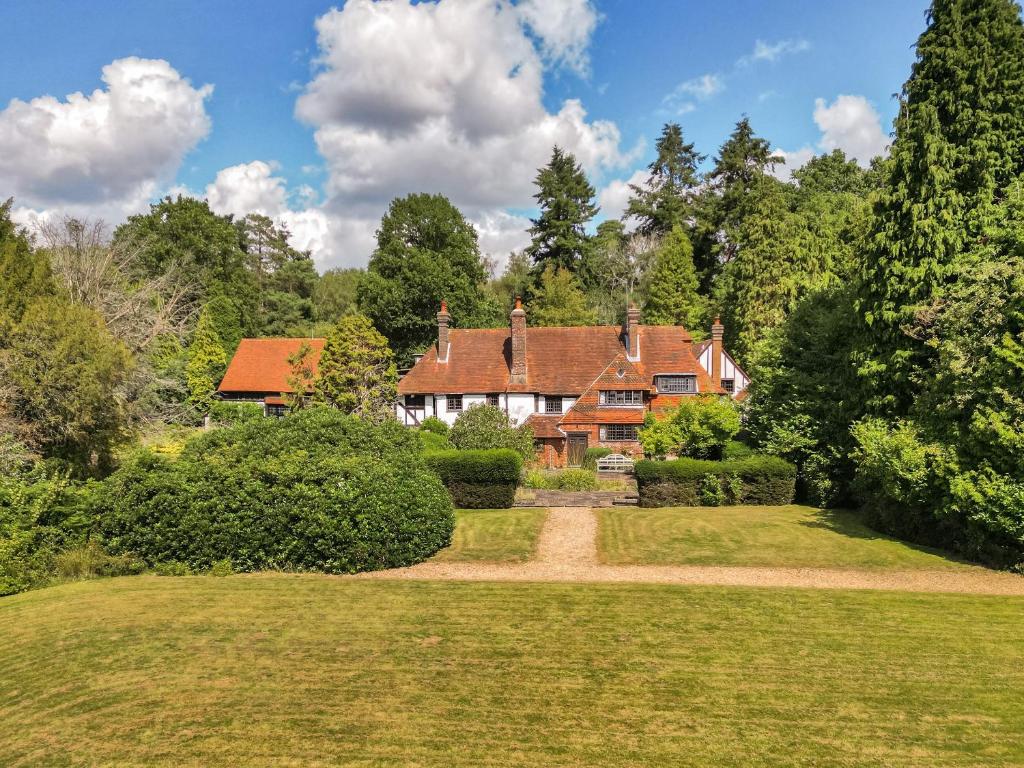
x,y
672,297
566,201
959,141
742,163
206,362
426,252
559,300
357,371
665,198
336,294
24,274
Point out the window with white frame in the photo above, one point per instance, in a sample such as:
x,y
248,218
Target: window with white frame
x,y
677,384
622,397
552,404
621,432
453,403
729,385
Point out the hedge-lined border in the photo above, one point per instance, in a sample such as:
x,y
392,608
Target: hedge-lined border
x,y
695,482
482,479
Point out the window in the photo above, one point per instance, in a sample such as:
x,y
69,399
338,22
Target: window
x,y
277,411
622,397
618,432
552,404
677,384
453,403
492,399
416,402
729,385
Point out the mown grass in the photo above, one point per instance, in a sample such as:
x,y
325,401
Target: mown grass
x,y
494,535
790,536
307,670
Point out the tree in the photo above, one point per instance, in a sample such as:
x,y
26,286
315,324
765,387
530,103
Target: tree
x,y
742,163
426,252
559,300
207,362
336,294
566,201
24,274
183,235
285,276
357,372
664,201
63,374
672,297
959,142
301,377
484,426
833,173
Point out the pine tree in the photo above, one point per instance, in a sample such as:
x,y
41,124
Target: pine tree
x,y
672,297
24,274
566,202
559,300
206,362
665,198
357,373
959,141
743,161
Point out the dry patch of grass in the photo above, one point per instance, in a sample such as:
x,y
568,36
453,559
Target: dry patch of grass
x,y
494,535
307,670
790,536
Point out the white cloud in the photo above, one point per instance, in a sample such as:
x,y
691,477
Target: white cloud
x,y
248,188
614,198
851,124
773,51
564,28
106,153
700,88
501,233
451,103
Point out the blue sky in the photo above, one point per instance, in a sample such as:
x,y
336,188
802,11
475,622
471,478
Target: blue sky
x,y
324,125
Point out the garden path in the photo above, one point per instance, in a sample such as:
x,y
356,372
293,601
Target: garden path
x,y
567,552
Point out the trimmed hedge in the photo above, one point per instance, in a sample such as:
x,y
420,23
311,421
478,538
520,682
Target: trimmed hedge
x,y
316,491
696,482
591,456
484,479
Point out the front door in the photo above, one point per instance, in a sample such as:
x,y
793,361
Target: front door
x,y
577,448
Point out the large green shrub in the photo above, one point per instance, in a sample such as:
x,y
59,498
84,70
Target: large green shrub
x,y
478,479
316,491
435,425
227,413
481,427
577,480
696,482
433,442
698,427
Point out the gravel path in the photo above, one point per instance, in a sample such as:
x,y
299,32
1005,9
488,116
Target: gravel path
x,y
567,552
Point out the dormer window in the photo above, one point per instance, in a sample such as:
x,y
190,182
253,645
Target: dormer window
x,y
729,385
622,397
677,384
552,404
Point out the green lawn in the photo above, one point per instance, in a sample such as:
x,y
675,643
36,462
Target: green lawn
x,y
764,536
305,670
495,535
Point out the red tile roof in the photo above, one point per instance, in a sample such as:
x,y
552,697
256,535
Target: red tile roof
x,y
618,374
559,361
261,365
544,426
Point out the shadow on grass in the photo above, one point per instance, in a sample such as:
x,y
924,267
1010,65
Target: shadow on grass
x,y
852,525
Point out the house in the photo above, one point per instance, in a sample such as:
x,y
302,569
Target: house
x,y
575,387
259,372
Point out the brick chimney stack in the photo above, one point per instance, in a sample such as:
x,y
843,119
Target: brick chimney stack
x,y
443,318
633,333
518,322
717,332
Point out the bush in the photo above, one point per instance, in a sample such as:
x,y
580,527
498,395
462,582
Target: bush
x,y
577,480
316,491
478,479
435,425
696,482
88,561
734,449
591,456
539,479
433,442
227,413
481,427
699,427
